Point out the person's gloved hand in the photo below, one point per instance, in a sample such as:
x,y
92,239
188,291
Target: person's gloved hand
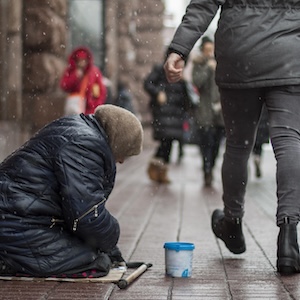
x,y
115,256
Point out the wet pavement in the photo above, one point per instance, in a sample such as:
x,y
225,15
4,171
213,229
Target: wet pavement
x,y
152,214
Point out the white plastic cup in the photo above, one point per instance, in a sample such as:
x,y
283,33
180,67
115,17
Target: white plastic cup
x,y
179,259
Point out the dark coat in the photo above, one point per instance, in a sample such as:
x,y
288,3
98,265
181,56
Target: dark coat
x,y
208,112
53,218
168,118
124,98
257,42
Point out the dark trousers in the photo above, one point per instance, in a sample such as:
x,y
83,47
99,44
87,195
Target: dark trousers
x,y
209,144
241,109
164,150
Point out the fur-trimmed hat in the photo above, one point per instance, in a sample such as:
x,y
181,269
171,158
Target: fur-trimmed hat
x,y
124,130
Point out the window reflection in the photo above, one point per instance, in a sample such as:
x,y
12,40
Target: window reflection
x,y
86,25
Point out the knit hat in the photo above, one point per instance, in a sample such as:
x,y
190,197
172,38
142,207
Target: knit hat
x,y
124,130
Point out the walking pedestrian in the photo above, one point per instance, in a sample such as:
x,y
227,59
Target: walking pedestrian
x,y
208,115
124,97
169,103
53,195
257,53
84,78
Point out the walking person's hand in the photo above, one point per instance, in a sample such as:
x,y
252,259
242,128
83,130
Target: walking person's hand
x,y
174,67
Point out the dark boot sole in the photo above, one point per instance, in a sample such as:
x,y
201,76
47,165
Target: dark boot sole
x,y
287,266
239,247
239,250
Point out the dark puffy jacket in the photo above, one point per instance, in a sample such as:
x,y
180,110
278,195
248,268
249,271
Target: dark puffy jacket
x,y
257,41
52,203
167,119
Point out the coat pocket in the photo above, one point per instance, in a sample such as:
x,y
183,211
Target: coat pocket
x,y
93,209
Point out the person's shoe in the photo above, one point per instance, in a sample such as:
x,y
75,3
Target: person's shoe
x,y
163,174
288,259
158,171
153,169
229,231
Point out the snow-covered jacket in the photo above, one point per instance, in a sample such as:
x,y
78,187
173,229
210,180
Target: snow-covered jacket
x,y
53,192
95,92
257,41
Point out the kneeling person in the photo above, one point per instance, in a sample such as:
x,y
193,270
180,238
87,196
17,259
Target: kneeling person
x,y
53,219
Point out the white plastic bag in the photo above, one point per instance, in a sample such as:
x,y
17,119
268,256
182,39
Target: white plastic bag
x,y
75,104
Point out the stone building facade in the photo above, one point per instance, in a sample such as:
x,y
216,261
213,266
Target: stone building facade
x,y
33,51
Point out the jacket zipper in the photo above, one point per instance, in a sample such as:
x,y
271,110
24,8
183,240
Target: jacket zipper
x,y
55,221
93,208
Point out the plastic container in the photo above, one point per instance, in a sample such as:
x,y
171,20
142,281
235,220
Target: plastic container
x,y
179,259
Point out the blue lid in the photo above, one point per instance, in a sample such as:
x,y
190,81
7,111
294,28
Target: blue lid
x,y
178,246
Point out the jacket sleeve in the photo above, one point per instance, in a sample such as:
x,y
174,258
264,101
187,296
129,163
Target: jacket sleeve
x,y
95,78
198,16
86,173
69,82
152,83
99,80
201,75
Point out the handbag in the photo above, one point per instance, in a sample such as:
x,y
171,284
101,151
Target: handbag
x,y
76,102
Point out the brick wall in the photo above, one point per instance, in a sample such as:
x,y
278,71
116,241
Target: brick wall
x,y
33,42
134,42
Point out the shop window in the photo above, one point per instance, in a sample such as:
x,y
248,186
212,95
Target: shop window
x,y
86,27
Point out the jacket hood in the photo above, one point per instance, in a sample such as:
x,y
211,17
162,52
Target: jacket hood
x,y
73,56
123,129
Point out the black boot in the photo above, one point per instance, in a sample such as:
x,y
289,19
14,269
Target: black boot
x,y
229,231
288,260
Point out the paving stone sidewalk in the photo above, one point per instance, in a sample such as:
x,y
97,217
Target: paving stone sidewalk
x,y
152,214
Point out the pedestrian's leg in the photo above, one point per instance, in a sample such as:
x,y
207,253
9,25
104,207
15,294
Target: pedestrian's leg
x,y
180,151
206,143
161,161
257,152
241,112
284,109
217,138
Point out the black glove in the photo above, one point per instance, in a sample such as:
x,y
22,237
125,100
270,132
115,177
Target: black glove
x,y
115,256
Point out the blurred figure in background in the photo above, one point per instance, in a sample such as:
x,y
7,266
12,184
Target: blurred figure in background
x,y
168,103
82,76
208,115
262,137
109,90
124,97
